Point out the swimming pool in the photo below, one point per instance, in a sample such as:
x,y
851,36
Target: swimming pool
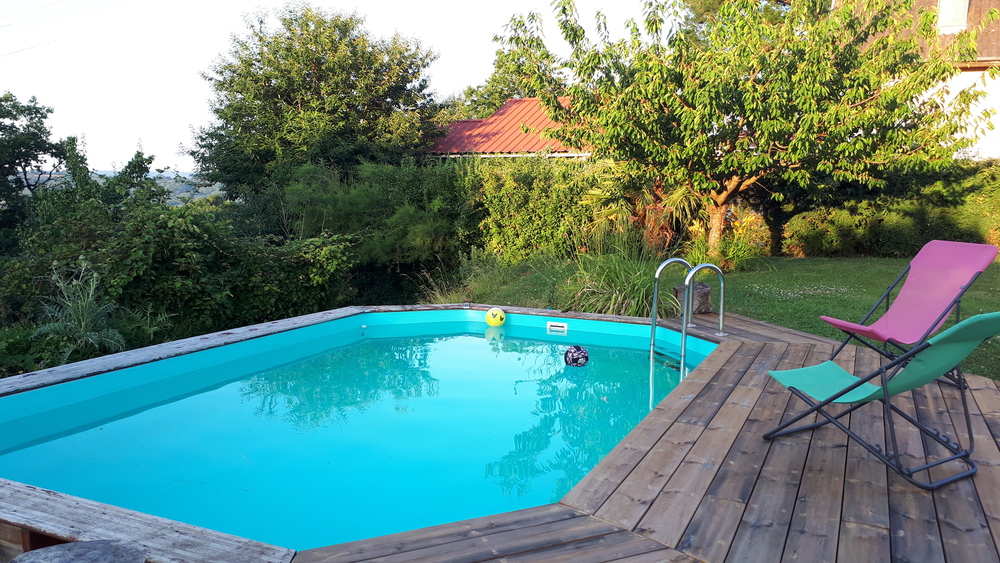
x,y
161,437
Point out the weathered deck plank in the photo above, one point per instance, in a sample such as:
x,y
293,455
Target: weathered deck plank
x,y
552,535
712,398
964,532
914,534
861,542
367,549
987,398
710,534
815,527
753,330
675,506
741,467
814,532
765,524
164,541
595,489
987,451
631,500
865,480
592,550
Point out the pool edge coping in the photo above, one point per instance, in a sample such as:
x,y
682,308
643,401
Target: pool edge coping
x,y
154,524
138,356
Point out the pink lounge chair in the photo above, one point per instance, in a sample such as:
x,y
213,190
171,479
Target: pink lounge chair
x,y
936,279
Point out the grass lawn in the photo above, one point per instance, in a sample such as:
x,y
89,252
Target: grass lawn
x,y
791,292
795,292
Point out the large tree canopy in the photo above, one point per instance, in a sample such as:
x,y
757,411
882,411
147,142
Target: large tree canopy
x,y
317,89
28,159
28,156
813,99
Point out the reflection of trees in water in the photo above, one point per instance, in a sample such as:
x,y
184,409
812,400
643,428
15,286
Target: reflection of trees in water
x,y
327,388
581,413
585,411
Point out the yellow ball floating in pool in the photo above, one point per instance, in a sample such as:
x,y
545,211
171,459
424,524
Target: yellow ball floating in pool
x,y
496,317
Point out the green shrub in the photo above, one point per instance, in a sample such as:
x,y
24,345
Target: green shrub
x,y
19,352
173,260
960,204
398,216
266,281
144,325
980,210
78,318
745,239
531,205
616,284
866,230
615,276
824,232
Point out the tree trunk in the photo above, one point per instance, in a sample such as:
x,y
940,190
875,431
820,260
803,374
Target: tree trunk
x,y
776,228
716,226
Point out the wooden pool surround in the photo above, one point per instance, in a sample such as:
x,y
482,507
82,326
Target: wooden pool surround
x,y
693,482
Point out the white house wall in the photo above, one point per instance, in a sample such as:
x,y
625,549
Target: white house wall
x,y
989,143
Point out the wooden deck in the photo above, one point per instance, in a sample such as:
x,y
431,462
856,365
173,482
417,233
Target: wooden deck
x,y
696,482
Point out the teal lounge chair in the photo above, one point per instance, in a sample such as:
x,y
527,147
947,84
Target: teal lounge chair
x,y
827,383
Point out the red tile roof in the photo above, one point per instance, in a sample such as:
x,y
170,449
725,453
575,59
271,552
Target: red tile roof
x,y
503,133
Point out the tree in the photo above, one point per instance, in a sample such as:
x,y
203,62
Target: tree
x,y
506,82
852,94
28,157
699,12
318,89
28,160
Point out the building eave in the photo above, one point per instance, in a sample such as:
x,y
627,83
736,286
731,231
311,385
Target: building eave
x,y
512,155
979,65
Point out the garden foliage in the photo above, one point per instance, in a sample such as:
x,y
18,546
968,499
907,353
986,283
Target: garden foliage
x,y
177,266
961,206
315,88
530,205
814,98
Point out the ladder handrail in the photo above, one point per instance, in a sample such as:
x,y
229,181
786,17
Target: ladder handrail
x,y
656,295
687,305
686,309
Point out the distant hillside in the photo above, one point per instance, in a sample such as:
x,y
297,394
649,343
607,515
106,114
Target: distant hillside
x,y
182,186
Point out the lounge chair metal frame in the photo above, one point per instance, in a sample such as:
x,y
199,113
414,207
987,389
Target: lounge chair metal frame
x,y
890,455
952,346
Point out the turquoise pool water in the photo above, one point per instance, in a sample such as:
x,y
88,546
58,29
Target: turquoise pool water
x,y
368,425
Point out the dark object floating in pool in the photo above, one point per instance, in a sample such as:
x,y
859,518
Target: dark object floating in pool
x,y
576,356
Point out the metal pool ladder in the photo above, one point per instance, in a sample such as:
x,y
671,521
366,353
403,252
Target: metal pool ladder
x,y
686,306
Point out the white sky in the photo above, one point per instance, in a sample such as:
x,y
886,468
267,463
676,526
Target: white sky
x,y
125,74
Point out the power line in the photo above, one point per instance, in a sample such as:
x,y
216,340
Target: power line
x,y
26,11
2,55
33,8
